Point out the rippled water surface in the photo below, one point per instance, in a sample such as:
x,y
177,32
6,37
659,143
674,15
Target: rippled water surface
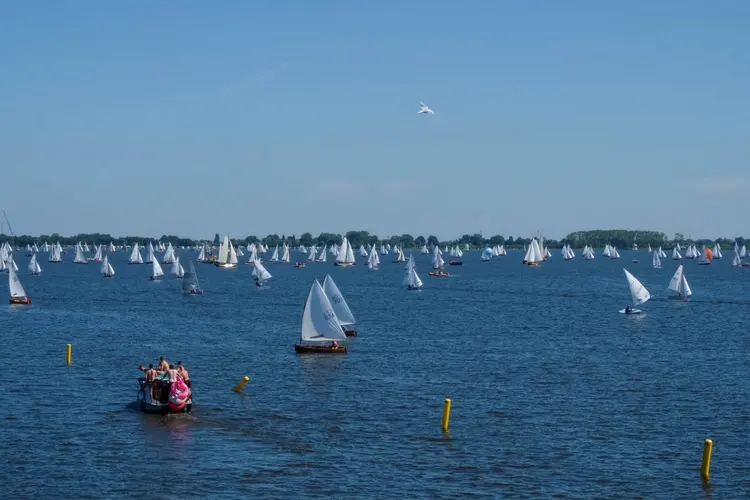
x,y
554,393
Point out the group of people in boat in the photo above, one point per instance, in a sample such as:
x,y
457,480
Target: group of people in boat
x,y
159,380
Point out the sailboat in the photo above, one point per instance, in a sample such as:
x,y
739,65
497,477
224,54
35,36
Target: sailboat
x,y
373,261
320,325
177,270
80,258
169,256
98,254
107,270
227,255
345,257
260,273
437,264
34,267
638,294
156,270
705,257
717,251
534,255
411,280
135,255
17,293
679,284
656,260
340,307
190,285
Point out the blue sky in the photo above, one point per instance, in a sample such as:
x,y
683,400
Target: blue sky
x,y
192,117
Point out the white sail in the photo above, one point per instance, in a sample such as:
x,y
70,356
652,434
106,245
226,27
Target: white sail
x,y
322,256
362,251
319,321
169,256
112,247
437,260
656,260
424,249
373,261
743,252
736,262
638,292
312,254
232,257
98,254
34,267
679,284
676,253
223,257
346,254
16,289
150,257
80,258
285,254
253,255
177,270
716,252
340,307
260,272
107,269
156,270
412,279
275,256
135,255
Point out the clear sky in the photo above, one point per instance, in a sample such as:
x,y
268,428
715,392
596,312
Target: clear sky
x,y
244,117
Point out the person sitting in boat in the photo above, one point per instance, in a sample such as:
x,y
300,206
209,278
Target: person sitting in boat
x,y
334,344
182,372
627,309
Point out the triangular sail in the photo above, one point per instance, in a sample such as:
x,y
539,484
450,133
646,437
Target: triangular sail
x,y
319,321
638,292
156,269
16,289
340,307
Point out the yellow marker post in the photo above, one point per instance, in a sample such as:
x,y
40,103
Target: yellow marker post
x,y
446,414
68,352
706,463
242,384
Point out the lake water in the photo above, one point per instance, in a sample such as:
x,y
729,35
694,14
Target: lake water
x,y
554,393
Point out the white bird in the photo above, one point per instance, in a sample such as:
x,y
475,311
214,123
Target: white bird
x,y
424,109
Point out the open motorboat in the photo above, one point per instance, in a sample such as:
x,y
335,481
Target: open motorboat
x,y
163,397
456,262
321,329
300,264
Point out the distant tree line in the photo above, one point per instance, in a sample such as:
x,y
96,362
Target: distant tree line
x,y
620,238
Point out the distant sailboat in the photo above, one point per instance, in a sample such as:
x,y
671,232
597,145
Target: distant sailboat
x,y
34,267
638,294
80,258
679,284
656,260
107,270
260,273
135,255
190,285
411,280
17,293
340,307
177,270
534,255
156,270
227,255
345,257
320,325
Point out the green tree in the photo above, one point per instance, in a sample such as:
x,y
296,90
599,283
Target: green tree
x,y
217,240
306,239
433,241
419,241
406,241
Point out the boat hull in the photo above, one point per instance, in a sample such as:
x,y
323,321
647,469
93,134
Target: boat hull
x,y
350,333
25,301
632,311
146,405
315,349
456,263
438,274
225,266
343,264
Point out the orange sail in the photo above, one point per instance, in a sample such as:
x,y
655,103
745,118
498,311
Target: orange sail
x,y
708,253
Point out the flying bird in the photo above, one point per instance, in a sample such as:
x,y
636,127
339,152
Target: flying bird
x,y
424,109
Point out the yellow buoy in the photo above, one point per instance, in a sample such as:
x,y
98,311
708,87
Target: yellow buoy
x,y
446,414
242,384
706,463
68,352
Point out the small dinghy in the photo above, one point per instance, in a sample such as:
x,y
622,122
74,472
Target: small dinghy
x,y
321,330
456,262
300,264
638,294
17,293
190,285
